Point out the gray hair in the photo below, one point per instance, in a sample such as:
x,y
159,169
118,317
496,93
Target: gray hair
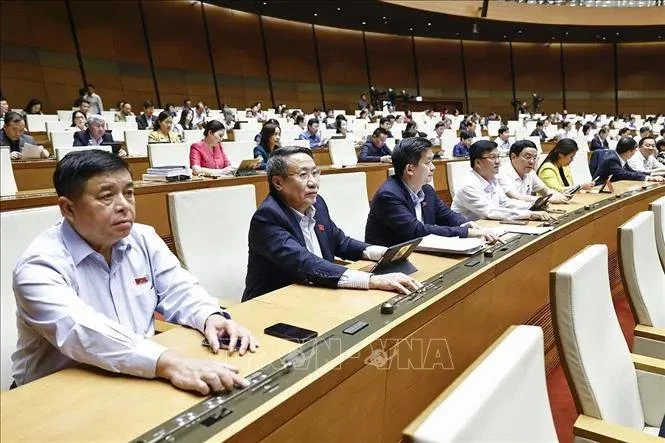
x,y
227,111
278,165
96,119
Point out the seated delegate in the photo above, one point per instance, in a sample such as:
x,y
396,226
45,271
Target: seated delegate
x,y
161,130
207,157
555,170
481,196
406,205
375,150
95,135
616,165
518,178
268,142
292,238
13,135
87,288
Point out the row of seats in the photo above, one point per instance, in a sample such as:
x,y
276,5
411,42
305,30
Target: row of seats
x,y
503,395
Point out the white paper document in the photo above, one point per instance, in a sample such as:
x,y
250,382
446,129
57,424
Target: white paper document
x,y
31,151
451,245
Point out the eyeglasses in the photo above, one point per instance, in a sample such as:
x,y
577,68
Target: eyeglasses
x,y
494,158
304,175
528,157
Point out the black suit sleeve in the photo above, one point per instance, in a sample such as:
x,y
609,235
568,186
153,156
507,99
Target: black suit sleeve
x,y
78,139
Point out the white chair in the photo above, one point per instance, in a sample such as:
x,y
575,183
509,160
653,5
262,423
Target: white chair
x,y
501,397
58,126
390,143
608,388
7,180
582,144
118,129
658,208
346,196
579,168
61,152
301,143
65,115
216,252
342,152
136,142
536,141
539,161
109,116
193,136
244,135
62,139
644,282
18,229
239,151
37,122
168,154
493,128
458,172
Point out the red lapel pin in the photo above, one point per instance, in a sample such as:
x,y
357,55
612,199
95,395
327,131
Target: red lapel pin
x,y
321,227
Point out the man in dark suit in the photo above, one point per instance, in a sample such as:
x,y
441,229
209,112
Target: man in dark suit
x,y
375,149
539,131
293,240
617,165
95,135
148,118
600,140
406,205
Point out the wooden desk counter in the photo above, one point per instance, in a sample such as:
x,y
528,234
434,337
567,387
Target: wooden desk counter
x,y
38,174
350,398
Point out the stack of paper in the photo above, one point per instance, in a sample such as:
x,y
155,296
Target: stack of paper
x,y
168,174
31,151
451,245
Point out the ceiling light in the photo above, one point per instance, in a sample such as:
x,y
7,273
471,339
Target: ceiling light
x,y
410,29
384,18
316,15
519,31
364,23
339,9
429,23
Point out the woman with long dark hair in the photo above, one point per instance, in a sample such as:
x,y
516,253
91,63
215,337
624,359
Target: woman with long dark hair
x,y
555,170
268,142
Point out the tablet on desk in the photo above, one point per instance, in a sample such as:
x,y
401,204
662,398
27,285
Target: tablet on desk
x,y
247,167
540,204
607,187
395,259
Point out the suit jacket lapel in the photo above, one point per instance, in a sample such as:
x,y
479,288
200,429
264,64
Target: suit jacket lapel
x,y
291,219
407,196
322,236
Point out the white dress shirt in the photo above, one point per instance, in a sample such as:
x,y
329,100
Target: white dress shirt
x,y
504,147
351,278
563,134
73,307
638,163
417,198
478,198
510,181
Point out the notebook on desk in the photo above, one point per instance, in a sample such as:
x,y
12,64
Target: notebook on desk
x,y
451,245
247,168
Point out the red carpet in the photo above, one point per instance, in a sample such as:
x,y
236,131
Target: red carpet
x,y
561,400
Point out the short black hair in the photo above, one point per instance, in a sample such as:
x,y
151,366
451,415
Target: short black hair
x,y
602,130
277,165
662,131
503,129
645,129
540,123
625,145
565,124
439,124
409,152
213,126
520,145
13,117
313,121
383,120
148,104
646,138
479,148
299,119
73,172
465,135
622,131
378,131
660,144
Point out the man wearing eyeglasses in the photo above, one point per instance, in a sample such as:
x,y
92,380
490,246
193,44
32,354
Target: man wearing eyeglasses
x,y
518,178
644,159
481,196
292,238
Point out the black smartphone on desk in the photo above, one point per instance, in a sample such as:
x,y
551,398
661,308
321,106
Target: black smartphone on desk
x,y
290,332
223,343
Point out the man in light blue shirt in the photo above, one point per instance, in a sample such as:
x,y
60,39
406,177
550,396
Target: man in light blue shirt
x,y
312,133
86,289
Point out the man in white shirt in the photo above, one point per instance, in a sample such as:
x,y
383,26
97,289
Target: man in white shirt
x,y
86,289
644,159
518,179
482,197
566,131
502,141
200,115
435,137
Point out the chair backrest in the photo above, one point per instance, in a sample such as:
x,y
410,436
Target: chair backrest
x,y
597,158
62,139
193,136
7,180
210,239
239,151
342,152
390,143
168,154
658,208
118,129
476,406
301,143
493,128
18,229
61,152
643,275
536,141
65,115
579,168
346,196
582,143
243,135
593,350
136,142
37,122
458,172
54,126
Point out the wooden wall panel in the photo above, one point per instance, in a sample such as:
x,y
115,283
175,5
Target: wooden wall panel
x,y
343,67
237,52
295,79
38,57
641,89
488,77
113,50
180,53
589,77
538,69
439,68
391,62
